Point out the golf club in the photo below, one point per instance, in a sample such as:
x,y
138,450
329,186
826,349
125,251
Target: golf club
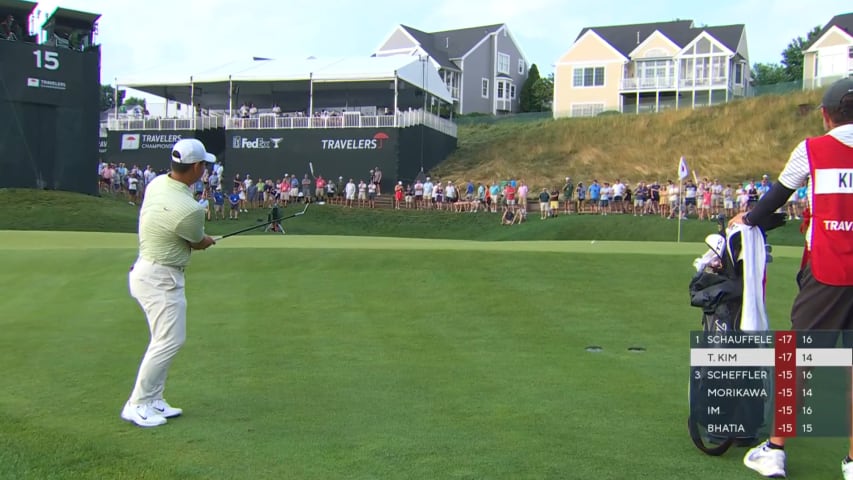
x,y
253,227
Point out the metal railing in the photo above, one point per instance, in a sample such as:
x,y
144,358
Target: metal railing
x,y
703,82
668,83
133,123
419,117
648,83
402,119
273,121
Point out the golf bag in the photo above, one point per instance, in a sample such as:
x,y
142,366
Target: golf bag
x,y
717,288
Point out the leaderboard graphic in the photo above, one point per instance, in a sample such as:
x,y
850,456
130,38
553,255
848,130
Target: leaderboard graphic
x,y
779,383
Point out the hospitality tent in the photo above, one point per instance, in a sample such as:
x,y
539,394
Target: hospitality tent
x,y
397,82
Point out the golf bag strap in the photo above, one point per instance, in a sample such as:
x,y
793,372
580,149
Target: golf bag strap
x,y
720,449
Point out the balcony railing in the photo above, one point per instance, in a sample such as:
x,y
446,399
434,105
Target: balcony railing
x,y
648,83
134,123
669,83
402,119
703,82
271,121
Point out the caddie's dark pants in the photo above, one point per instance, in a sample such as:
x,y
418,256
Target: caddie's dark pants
x,y
822,307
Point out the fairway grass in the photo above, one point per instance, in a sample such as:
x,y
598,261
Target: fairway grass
x,y
367,358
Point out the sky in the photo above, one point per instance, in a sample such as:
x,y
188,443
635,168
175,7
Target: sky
x,y
195,35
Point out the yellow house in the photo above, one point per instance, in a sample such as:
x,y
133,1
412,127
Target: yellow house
x,y
651,67
830,56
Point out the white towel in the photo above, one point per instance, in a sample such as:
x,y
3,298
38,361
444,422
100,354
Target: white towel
x,y
754,255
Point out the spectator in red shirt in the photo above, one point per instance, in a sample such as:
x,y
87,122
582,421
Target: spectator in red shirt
x,y
509,193
320,191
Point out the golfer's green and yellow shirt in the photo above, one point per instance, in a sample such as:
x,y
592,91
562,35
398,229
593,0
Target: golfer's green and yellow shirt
x,y
170,219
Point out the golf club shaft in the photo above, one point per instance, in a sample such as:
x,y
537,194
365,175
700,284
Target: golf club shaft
x,y
253,227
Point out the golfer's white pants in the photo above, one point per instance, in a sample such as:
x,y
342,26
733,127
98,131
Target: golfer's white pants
x,y
160,292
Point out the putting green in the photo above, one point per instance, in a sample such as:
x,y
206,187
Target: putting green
x,y
22,240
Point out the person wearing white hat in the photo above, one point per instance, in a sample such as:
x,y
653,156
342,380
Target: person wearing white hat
x,y
171,225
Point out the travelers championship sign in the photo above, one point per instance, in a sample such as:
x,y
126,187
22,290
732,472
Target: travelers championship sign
x,y
148,141
146,147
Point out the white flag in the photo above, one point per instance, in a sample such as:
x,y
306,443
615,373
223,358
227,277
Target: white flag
x,y
683,171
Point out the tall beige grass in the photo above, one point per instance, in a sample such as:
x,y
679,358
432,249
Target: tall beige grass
x,y
733,142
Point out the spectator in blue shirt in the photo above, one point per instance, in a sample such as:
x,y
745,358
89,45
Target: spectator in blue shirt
x,y
595,195
234,200
218,205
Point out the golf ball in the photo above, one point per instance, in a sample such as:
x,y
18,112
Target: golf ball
x,y
592,241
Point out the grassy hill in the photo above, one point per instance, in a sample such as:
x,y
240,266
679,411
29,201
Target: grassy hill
x,y
50,210
733,142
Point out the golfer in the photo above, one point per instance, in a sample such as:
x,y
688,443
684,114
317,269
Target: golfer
x,y
825,298
171,224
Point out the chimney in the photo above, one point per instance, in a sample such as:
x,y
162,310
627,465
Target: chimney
x,y
638,37
446,42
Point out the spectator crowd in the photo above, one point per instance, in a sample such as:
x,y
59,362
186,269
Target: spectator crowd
x,y
513,199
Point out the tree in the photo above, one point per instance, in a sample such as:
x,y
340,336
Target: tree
x,y
131,101
108,97
768,74
537,92
792,56
527,102
543,93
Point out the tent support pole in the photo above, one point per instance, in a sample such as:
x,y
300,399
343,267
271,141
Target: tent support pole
x,y
396,95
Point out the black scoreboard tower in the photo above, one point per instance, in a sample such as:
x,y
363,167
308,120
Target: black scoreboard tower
x,y
49,100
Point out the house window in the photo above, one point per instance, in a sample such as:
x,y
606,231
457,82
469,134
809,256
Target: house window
x,y
738,74
587,109
521,65
485,90
506,90
588,77
503,63
850,52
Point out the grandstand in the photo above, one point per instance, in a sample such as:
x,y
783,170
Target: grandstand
x,y
271,117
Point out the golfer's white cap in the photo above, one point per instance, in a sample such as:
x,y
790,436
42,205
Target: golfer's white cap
x,y
191,150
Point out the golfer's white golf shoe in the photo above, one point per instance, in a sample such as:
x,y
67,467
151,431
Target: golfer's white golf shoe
x,y
161,407
767,461
847,469
142,415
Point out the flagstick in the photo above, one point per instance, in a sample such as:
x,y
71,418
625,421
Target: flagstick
x,y
680,183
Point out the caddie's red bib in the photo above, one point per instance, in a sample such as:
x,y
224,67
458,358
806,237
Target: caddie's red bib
x,y
831,168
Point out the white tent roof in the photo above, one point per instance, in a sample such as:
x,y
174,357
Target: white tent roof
x,y
351,69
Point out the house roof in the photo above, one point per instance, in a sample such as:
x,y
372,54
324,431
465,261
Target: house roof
x,y
843,21
449,44
625,38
